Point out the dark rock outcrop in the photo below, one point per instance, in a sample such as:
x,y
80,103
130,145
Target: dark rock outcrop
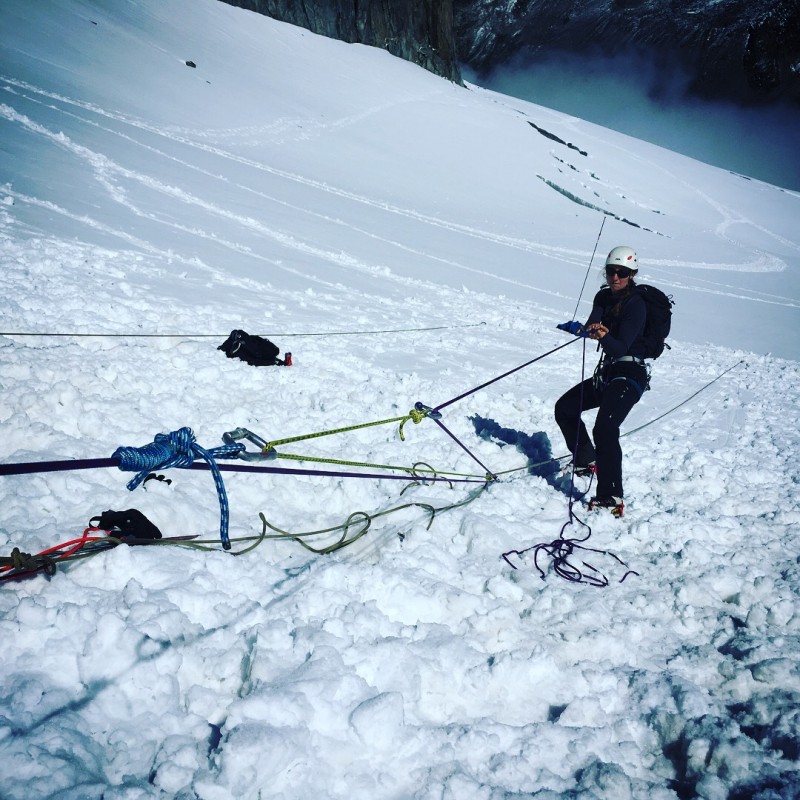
x,y
742,50
420,31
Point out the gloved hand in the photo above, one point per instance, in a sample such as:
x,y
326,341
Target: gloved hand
x,y
574,327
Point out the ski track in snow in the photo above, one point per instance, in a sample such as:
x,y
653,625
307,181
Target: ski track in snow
x,y
103,165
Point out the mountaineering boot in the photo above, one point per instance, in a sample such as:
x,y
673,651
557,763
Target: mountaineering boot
x,y
582,471
613,504
585,471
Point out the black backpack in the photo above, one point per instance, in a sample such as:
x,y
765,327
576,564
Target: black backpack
x,y
255,350
659,319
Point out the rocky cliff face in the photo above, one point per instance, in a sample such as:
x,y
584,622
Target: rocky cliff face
x,y
420,31
743,50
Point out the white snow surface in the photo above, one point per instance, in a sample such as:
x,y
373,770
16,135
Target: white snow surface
x,y
304,189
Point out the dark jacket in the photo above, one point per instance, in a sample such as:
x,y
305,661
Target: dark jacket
x,y
625,319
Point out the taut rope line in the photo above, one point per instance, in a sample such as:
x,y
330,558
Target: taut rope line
x,y
224,335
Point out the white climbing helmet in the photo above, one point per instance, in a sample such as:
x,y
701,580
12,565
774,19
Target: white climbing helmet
x,y
623,257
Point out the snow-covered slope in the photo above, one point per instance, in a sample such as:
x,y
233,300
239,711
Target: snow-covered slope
x,y
305,189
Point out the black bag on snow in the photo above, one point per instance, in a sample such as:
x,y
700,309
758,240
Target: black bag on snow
x,y
122,524
255,350
659,319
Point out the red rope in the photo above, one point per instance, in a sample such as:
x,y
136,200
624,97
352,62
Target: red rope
x,y
51,555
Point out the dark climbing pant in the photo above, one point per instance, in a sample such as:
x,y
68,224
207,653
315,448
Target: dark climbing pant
x,y
613,404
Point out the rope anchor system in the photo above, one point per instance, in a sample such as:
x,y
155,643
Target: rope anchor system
x,y
180,449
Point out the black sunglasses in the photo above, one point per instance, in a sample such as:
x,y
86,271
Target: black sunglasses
x,y
620,272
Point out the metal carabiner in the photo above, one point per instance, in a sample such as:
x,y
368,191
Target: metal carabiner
x,y
267,452
430,412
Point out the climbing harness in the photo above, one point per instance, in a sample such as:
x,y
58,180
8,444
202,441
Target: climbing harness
x,y
600,377
563,548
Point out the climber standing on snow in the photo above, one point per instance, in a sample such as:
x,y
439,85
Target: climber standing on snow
x,y
617,323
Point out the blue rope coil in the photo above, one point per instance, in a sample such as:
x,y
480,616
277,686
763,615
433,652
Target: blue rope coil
x,y
178,449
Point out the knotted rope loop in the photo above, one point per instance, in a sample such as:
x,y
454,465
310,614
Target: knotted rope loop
x,y
25,562
416,415
178,449
20,560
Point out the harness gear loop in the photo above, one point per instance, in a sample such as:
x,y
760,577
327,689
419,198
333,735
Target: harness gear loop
x,y
600,378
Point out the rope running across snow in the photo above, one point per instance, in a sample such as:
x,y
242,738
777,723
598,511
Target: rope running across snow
x,y
179,449
223,335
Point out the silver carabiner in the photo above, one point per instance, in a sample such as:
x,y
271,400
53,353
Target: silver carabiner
x,y
266,453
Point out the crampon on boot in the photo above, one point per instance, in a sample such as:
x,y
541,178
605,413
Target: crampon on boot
x,y
585,470
612,504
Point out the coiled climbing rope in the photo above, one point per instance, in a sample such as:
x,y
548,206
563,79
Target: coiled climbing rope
x,y
178,449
